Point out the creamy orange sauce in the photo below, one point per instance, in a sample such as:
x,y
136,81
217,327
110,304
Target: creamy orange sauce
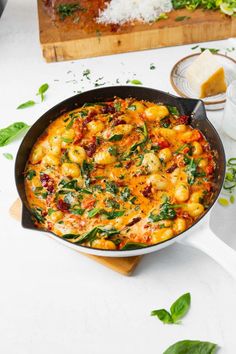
x,y
119,175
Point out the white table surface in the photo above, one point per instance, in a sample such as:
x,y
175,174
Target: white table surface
x,y
54,300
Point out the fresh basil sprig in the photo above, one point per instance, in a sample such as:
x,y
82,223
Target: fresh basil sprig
x,y
191,346
177,311
41,91
11,132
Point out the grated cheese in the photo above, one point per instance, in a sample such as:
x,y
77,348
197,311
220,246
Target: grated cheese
x,y
121,11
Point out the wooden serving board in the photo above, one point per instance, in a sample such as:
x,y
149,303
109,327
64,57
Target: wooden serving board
x,y
65,40
123,265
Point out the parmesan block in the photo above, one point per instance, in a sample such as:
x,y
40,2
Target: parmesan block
x,y
206,75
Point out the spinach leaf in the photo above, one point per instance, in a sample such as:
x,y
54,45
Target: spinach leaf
x,y
11,132
30,174
133,246
180,307
37,213
125,194
167,212
26,104
113,214
91,235
41,91
163,315
173,110
86,168
8,156
144,132
71,122
113,150
117,106
77,211
191,169
93,212
191,346
73,184
112,203
111,187
116,137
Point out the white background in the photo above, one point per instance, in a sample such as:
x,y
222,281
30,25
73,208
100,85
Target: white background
x,y
54,300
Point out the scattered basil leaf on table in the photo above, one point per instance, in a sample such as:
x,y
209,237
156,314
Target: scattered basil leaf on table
x,y
41,91
26,104
136,82
163,315
180,307
177,311
191,347
8,156
11,132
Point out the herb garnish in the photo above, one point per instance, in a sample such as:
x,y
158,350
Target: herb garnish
x,y
192,346
111,187
30,174
11,132
167,212
8,156
67,10
177,311
144,132
133,246
191,169
41,91
91,235
229,185
26,104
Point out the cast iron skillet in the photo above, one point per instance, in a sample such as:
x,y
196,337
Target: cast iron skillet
x,y
194,108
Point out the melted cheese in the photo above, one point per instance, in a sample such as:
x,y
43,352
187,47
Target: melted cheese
x,y
123,178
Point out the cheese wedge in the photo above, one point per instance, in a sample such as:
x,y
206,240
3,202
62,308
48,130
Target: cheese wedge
x,y
206,75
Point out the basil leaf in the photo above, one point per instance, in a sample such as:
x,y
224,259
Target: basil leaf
x,y
26,104
133,246
163,315
136,82
12,131
41,91
116,137
192,347
180,307
167,212
112,203
8,156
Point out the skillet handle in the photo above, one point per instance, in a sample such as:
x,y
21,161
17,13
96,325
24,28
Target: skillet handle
x,y
205,240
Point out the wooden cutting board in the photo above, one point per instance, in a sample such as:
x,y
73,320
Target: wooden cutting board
x,y
65,40
123,265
